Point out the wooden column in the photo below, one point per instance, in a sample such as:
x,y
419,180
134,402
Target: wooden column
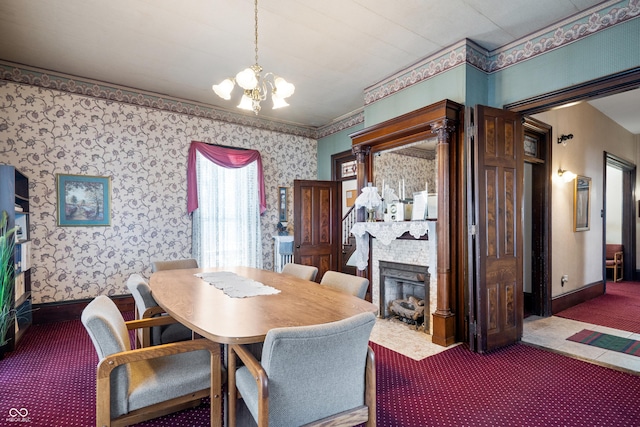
x,y
443,318
363,170
363,165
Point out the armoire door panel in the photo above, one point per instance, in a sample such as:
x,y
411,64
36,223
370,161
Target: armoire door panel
x,y
324,229
510,194
491,218
496,282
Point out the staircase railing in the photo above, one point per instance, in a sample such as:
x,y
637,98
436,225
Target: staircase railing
x,y
348,220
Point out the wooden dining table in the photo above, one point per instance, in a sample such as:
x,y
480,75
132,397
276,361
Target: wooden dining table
x,y
214,315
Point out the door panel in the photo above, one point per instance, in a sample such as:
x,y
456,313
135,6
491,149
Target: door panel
x,y
496,248
316,224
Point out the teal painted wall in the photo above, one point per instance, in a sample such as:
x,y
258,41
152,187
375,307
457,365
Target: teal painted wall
x,y
464,84
606,52
332,144
456,84
448,85
477,87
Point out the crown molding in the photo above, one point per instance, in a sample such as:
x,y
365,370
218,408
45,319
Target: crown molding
x,y
343,122
466,52
23,74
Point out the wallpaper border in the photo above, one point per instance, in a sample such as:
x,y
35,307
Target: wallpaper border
x,y
466,51
582,25
18,73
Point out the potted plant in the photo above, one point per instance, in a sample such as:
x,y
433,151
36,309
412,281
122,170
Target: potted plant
x,y
7,267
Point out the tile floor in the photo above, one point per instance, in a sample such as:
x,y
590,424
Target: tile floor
x,y
404,339
545,332
552,333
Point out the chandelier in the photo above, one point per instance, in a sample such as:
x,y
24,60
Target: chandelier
x,y
255,85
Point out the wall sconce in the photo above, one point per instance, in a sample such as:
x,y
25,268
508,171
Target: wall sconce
x,y
566,175
562,139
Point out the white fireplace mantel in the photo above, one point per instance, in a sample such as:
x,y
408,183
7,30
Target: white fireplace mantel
x,y
385,232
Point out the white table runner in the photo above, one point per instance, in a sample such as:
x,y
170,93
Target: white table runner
x,y
236,286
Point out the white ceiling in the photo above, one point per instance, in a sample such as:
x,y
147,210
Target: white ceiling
x,y
623,108
331,49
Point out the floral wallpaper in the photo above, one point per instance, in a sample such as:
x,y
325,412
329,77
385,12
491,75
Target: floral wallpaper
x,y
44,132
416,173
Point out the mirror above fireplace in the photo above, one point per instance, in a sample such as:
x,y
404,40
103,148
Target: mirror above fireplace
x,y
406,169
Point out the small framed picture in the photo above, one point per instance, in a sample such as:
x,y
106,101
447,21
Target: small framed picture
x,y
282,204
83,200
582,203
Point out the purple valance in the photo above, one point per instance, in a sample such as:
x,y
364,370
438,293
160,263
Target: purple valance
x,y
225,157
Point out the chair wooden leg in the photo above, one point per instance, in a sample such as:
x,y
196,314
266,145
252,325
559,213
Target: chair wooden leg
x,y
370,391
216,389
103,402
231,386
621,270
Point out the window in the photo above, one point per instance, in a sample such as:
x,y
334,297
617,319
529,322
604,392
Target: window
x,y
226,225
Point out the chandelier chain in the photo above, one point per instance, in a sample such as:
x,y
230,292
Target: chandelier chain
x,y
256,29
253,84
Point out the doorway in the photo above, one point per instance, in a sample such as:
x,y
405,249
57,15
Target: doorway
x,y
344,170
537,219
613,84
619,211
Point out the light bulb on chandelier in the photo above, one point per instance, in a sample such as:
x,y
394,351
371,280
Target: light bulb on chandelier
x,y
255,85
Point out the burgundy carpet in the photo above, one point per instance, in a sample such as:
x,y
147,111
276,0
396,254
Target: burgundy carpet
x,y
618,308
52,376
516,386
51,379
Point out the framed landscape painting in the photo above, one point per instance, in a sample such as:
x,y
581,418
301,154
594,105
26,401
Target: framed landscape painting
x,y
582,203
84,200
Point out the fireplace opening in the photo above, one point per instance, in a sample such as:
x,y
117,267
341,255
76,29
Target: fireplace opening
x,y
404,293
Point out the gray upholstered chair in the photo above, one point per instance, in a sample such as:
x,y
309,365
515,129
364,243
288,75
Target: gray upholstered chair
x,y
306,272
147,307
177,264
136,385
347,283
308,374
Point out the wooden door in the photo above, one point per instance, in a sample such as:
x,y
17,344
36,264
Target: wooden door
x,y
538,215
316,216
495,224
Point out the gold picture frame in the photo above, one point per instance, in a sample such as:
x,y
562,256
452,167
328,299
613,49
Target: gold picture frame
x,y
582,204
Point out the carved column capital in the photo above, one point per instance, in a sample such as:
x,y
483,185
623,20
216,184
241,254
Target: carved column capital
x,y
443,129
361,151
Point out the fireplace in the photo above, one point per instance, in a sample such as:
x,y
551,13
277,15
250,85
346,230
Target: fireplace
x,y
404,292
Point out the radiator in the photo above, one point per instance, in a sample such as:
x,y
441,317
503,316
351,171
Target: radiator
x,y
280,259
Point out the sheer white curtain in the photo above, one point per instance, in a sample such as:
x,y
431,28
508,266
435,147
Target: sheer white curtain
x,y
226,225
